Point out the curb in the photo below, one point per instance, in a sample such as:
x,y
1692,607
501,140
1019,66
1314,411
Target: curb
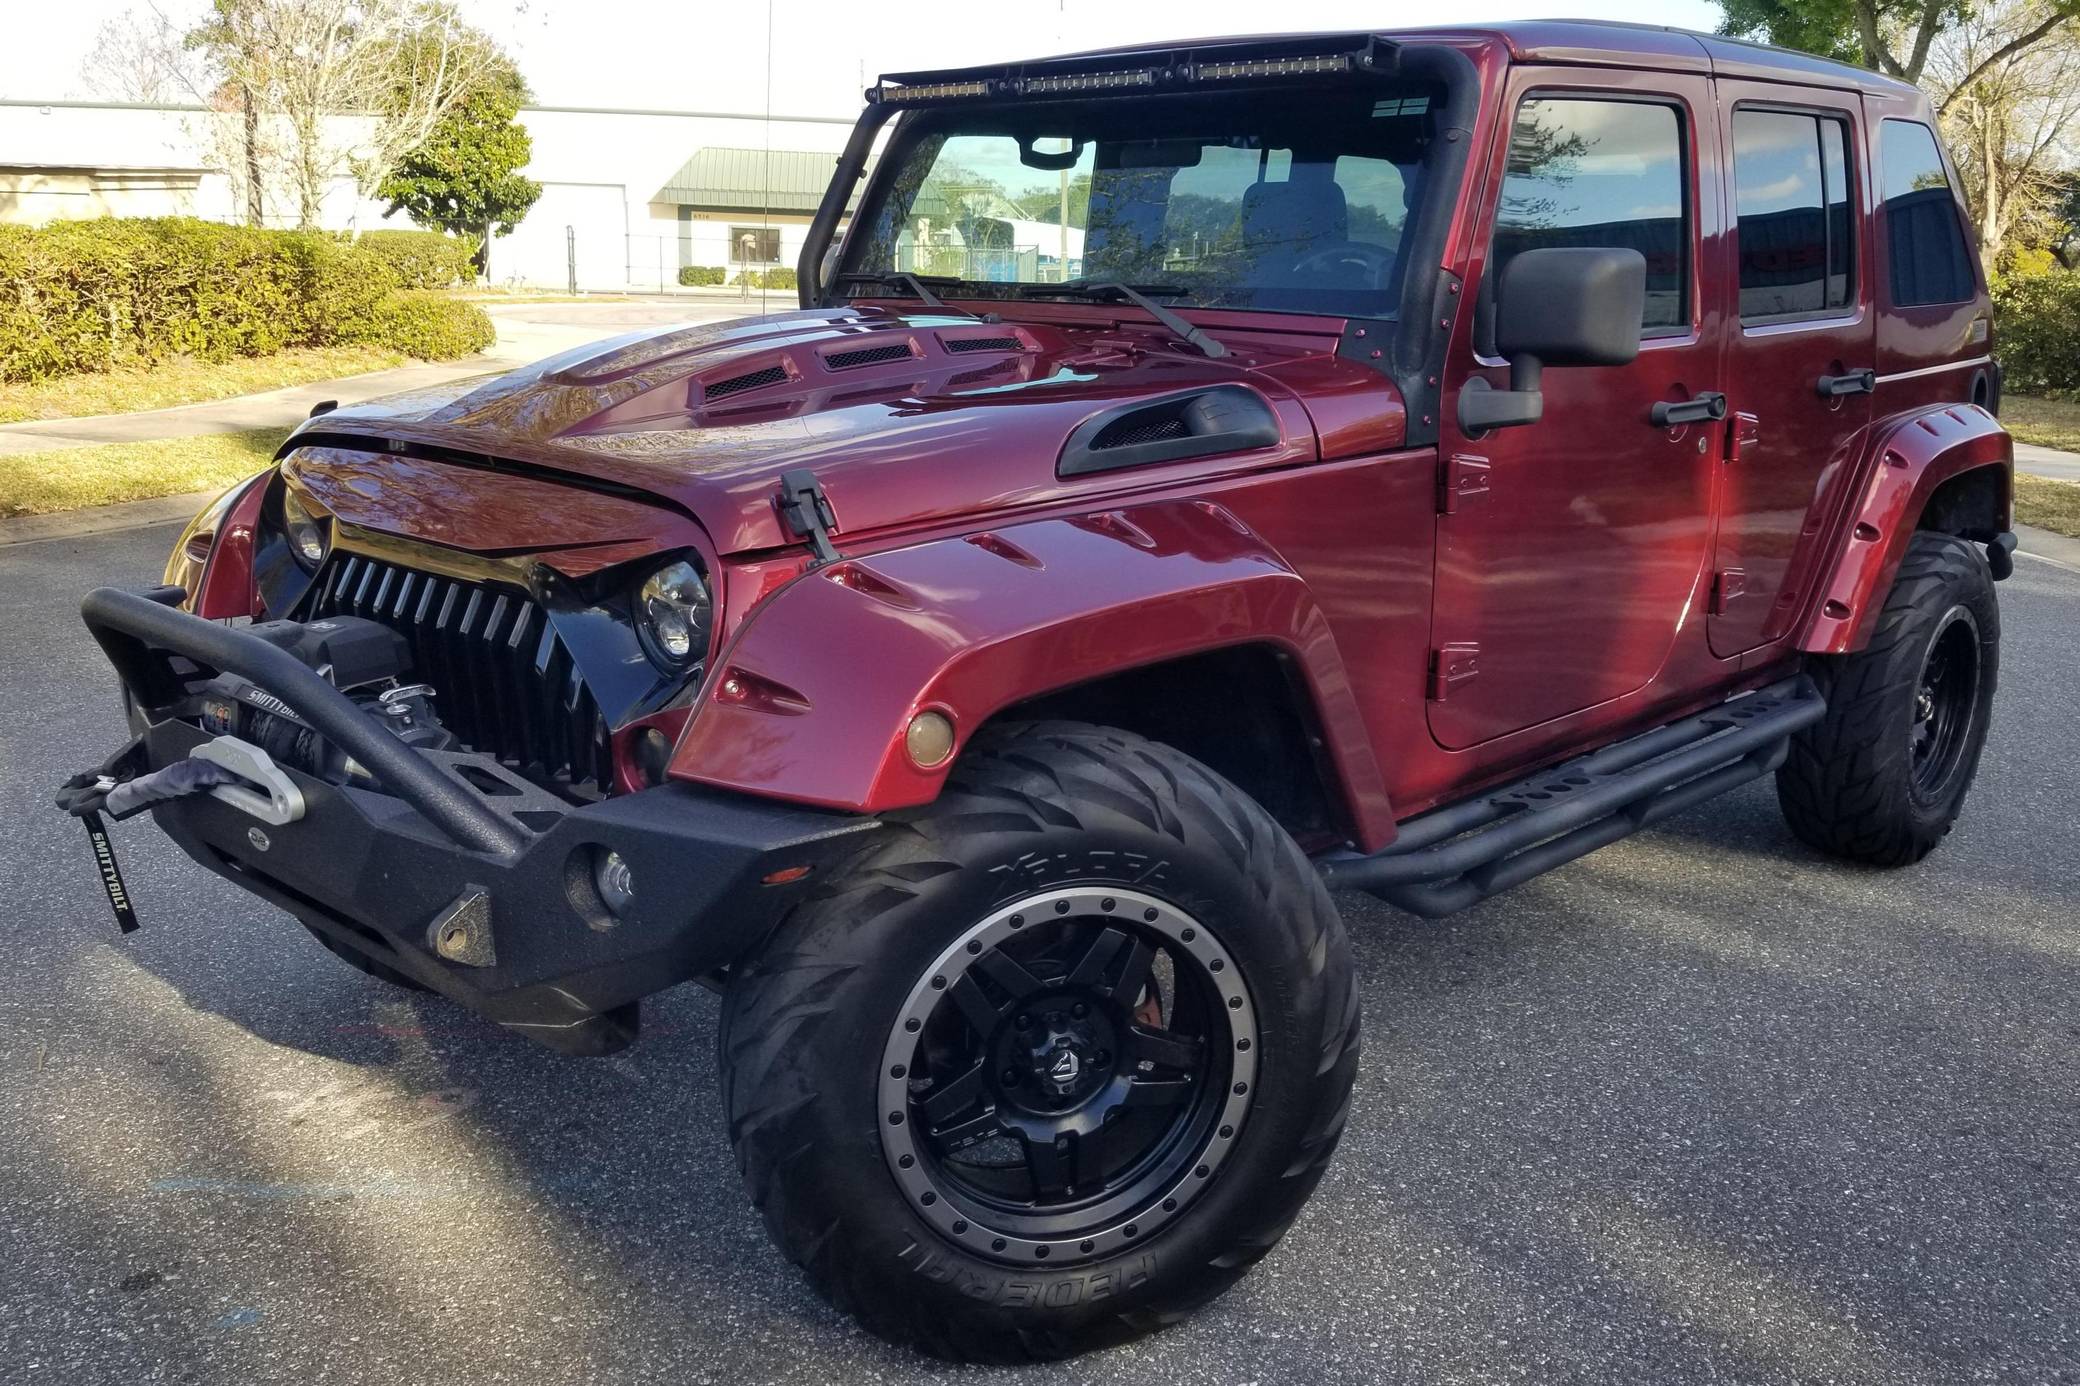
x,y
103,519
2054,549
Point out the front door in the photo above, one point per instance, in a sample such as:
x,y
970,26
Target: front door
x,y
1800,358
1570,550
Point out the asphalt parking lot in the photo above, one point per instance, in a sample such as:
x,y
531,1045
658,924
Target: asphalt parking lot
x,y
1700,1108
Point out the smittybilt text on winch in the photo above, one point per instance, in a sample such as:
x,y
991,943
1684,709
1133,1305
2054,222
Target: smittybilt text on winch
x,y
1200,476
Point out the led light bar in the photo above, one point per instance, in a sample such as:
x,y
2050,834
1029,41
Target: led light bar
x,y
1273,67
931,91
1180,66
1089,81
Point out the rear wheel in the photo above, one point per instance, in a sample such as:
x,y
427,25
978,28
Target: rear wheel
x,y
1881,778
1056,1062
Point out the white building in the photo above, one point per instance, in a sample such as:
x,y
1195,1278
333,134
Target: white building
x,y
628,197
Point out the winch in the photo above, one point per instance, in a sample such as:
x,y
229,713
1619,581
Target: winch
x,y
363,659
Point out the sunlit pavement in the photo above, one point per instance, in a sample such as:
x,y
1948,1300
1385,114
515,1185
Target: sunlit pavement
x,y
1700,1108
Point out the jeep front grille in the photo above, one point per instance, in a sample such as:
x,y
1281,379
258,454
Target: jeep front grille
x,y
503,681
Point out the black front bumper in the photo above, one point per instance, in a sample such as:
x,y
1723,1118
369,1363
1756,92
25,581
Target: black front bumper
x,y
460,875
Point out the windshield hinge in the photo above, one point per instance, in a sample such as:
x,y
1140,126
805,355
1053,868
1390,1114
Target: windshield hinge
x,y
806,511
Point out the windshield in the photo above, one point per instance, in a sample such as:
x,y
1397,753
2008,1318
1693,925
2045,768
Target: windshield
x,y
1295,200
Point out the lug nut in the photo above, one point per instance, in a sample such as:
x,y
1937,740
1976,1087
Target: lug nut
x,y
1079,1010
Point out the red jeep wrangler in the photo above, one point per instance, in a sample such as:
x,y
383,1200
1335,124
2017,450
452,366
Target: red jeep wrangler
x,y
1202,477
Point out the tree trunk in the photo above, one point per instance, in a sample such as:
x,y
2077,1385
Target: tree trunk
x,y
482,259
256,211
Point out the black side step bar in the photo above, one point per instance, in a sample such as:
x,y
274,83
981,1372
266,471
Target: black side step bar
x,y
1461,854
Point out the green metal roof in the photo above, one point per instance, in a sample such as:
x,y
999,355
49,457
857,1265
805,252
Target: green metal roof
x,y
750,180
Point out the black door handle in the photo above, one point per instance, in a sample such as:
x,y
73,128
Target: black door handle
x,y
1854,383
1706,406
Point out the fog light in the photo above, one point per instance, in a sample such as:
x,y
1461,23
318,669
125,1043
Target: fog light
x,y
617,885
929,739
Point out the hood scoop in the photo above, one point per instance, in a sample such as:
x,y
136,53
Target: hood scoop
x,y
1192,423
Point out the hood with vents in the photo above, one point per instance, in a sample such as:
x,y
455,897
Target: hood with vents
x,y
904,419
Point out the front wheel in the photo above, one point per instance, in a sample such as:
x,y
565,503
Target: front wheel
x,y
1056,1062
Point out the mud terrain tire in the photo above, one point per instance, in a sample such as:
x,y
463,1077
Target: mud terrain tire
x,y
1880,779
1043,812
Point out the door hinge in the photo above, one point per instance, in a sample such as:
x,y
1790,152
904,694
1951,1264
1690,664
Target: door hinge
x,y
1461,480
1745,433
1452,665
1727,585
806,511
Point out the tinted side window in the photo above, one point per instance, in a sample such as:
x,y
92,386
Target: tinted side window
x,y
1791,175
1930,263
1600,173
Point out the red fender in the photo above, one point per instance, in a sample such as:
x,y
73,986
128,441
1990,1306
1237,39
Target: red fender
x,y
812,698
1912,456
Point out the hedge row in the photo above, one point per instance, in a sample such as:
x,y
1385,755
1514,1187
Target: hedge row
x,y
782,278
425,259
2039,320
92,295
703,276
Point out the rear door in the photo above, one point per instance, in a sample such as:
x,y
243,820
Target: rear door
x,y
1569,550
1799,358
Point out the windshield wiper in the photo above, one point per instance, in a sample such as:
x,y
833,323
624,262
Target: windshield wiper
x,y
918,285
1136,294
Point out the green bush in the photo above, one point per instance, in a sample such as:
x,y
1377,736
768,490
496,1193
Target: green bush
x,y
432,326
699,276
425,259
2038,317
780,278
93,295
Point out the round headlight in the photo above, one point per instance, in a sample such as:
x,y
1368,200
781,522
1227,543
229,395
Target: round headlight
x,y
673,612
305,531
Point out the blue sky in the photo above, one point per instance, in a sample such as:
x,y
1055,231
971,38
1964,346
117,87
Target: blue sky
x,y
713,54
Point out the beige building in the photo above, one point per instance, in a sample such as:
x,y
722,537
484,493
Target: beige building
x,y
629,197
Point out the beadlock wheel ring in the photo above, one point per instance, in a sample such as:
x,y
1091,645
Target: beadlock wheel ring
x,y
1211,1130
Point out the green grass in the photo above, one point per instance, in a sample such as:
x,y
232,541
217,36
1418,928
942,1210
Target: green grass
x,y
184,381
2049,423
2048,504
40,483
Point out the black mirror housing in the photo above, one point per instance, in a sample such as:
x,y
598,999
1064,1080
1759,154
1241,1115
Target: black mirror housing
x,y
1572,305
1558,306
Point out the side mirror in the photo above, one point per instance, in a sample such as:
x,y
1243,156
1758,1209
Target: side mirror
x,y
1558,306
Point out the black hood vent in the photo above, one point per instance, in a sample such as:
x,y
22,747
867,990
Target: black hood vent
x,y
867,356
738,384
982,344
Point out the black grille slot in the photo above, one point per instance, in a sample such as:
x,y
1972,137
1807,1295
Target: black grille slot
x,y
866,356
738,384
983,344
1128,432
503,682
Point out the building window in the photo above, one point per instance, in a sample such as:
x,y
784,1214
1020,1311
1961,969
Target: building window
x,y
1791,194
754,245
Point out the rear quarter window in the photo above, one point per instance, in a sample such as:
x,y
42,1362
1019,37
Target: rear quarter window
x,y
1930,261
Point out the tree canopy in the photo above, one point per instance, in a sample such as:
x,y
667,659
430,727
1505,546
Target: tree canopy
x,y
465,178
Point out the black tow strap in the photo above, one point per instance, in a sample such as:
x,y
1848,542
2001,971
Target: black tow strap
x,y
111,872
117,790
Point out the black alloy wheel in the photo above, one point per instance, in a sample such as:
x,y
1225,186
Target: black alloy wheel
x,y
1068,1075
